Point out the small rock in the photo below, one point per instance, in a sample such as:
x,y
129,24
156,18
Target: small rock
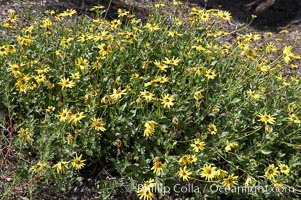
x,y
9,11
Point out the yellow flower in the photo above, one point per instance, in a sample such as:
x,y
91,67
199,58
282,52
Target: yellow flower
x,y
147,95
252,94
115,24
192,159
104,49
75,118
250,180
177,3
24,134
22,83
117,93
8,24
184,174
266,118
145,191
97,124
178,21
83,38
150,128
122,12
212,129
135,76
61,167
107,99
284,169
208,172
157,166
3,51
151,27
160,65
287,59
278,185
271,172
24,41
210,74
175,121
270,48
231,180
198,145
82,64
230,146
167,100
205,16
64,115
159,5
224,15
38,167
77,162
195,11
97,8
12,17
221,173
96,65
59,52
68,12
198,70
66,42
173,61
294,118
287,50
295,79
292,106
149,83
198,95
174,34
43,69
294,66
161,79
50,109
184,160
145,194
70,138
15,69
215,110
40,78
75,75
46,23
66,83
149,184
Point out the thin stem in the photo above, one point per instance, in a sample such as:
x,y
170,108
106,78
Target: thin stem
x,y
10,131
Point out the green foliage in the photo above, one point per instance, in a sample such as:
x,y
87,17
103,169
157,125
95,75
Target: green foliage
x,y
161,102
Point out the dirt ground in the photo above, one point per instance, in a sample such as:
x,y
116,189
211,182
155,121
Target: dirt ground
x,y
271,17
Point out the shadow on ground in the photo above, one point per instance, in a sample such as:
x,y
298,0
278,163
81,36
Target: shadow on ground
x,y
272,15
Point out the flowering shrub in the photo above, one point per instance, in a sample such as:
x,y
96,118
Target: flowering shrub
x,y
164,102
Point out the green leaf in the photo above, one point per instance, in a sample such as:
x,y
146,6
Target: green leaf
x,y
236,100
213,63
296,164
265,152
